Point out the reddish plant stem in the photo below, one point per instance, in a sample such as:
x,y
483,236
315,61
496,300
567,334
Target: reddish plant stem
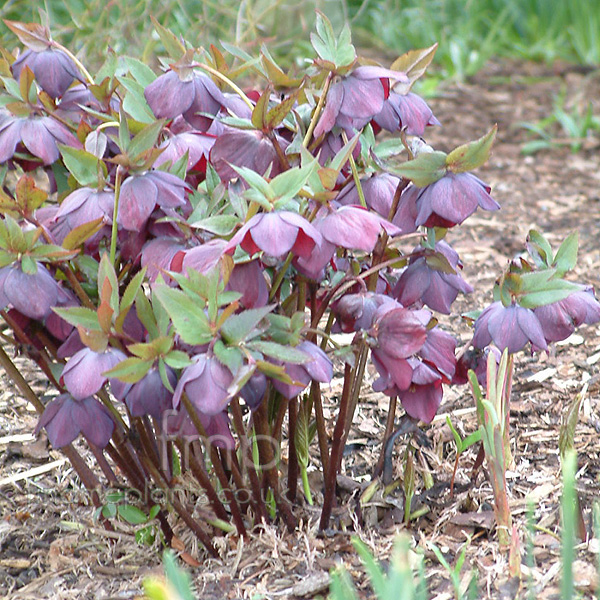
x,y
229,458
278,425
315,395
292,456
268,463
180,509
201,476
257,499
389,428
103,463
283,161
337,448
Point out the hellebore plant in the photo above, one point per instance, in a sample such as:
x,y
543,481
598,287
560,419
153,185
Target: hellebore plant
x,y
182,277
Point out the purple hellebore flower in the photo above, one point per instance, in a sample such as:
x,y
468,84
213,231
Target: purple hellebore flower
x,y
254,390
248,279
53,69
424,396
559,319
423,282
276,233
451,199
206,382
148,396
203,258
438,352
187,93
83,206
408,111
243,148
83,375
356,312
379,190
198,146
475,360
177,423
141,193
158,255
66,417
352,101
319,369
33,295
56,325
39,135
508,327
406,213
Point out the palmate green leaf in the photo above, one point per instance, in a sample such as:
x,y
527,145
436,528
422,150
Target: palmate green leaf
x,y
145,313
566,257
82,165
338,51
414,63
177,359
7,258
132,289
130,370
548,296
280,352
537,243
472,155
424,170
288,184
79,315
239,327
220,225
146,138
28,265
132,514
77,236
175,49
188,318
141,72
134,102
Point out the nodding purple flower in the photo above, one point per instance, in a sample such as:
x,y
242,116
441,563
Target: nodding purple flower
x,y
185,92
206,382
203,258
254,390
158,255
178,424
354,100
424,395
66,417
475,359
426,280
357,312
406,213
83,375
318,369
54,70
397,335
148,396
248,279
409,112
83,206
195,143
141,193
559,319
451,199
438,352
38,135
242,148
276,233
33,295
379,190
508,327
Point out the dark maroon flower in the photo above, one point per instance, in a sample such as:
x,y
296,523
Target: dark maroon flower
x,y
379,190
248,279
425,281
56,325
356,312
141,193
195,143
83,375
178,424
354,100
406,213
83,206
254,390
34,295
409,112
318,369
276,233
184,92
451,199
66,417
206,382
508,327
474,359
438,351
559,319
53,69
243,148
39,135
424,395
148,396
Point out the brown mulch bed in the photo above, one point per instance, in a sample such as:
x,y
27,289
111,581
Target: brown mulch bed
x,y
52,547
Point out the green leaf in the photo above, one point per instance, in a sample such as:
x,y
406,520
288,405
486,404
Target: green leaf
x,y
132,289
280,352
141,72
177,359
28,265
81,164
566,257
146,138
540,245
77,236
232,358
288,184
135,103
302,438
414,63
132,514
188,318
238,328
471,155
220,225
549,296
175,49
277,114
130,370
177,577
79,315
145,313
260,109
424,170
373,569
338,51
107,271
